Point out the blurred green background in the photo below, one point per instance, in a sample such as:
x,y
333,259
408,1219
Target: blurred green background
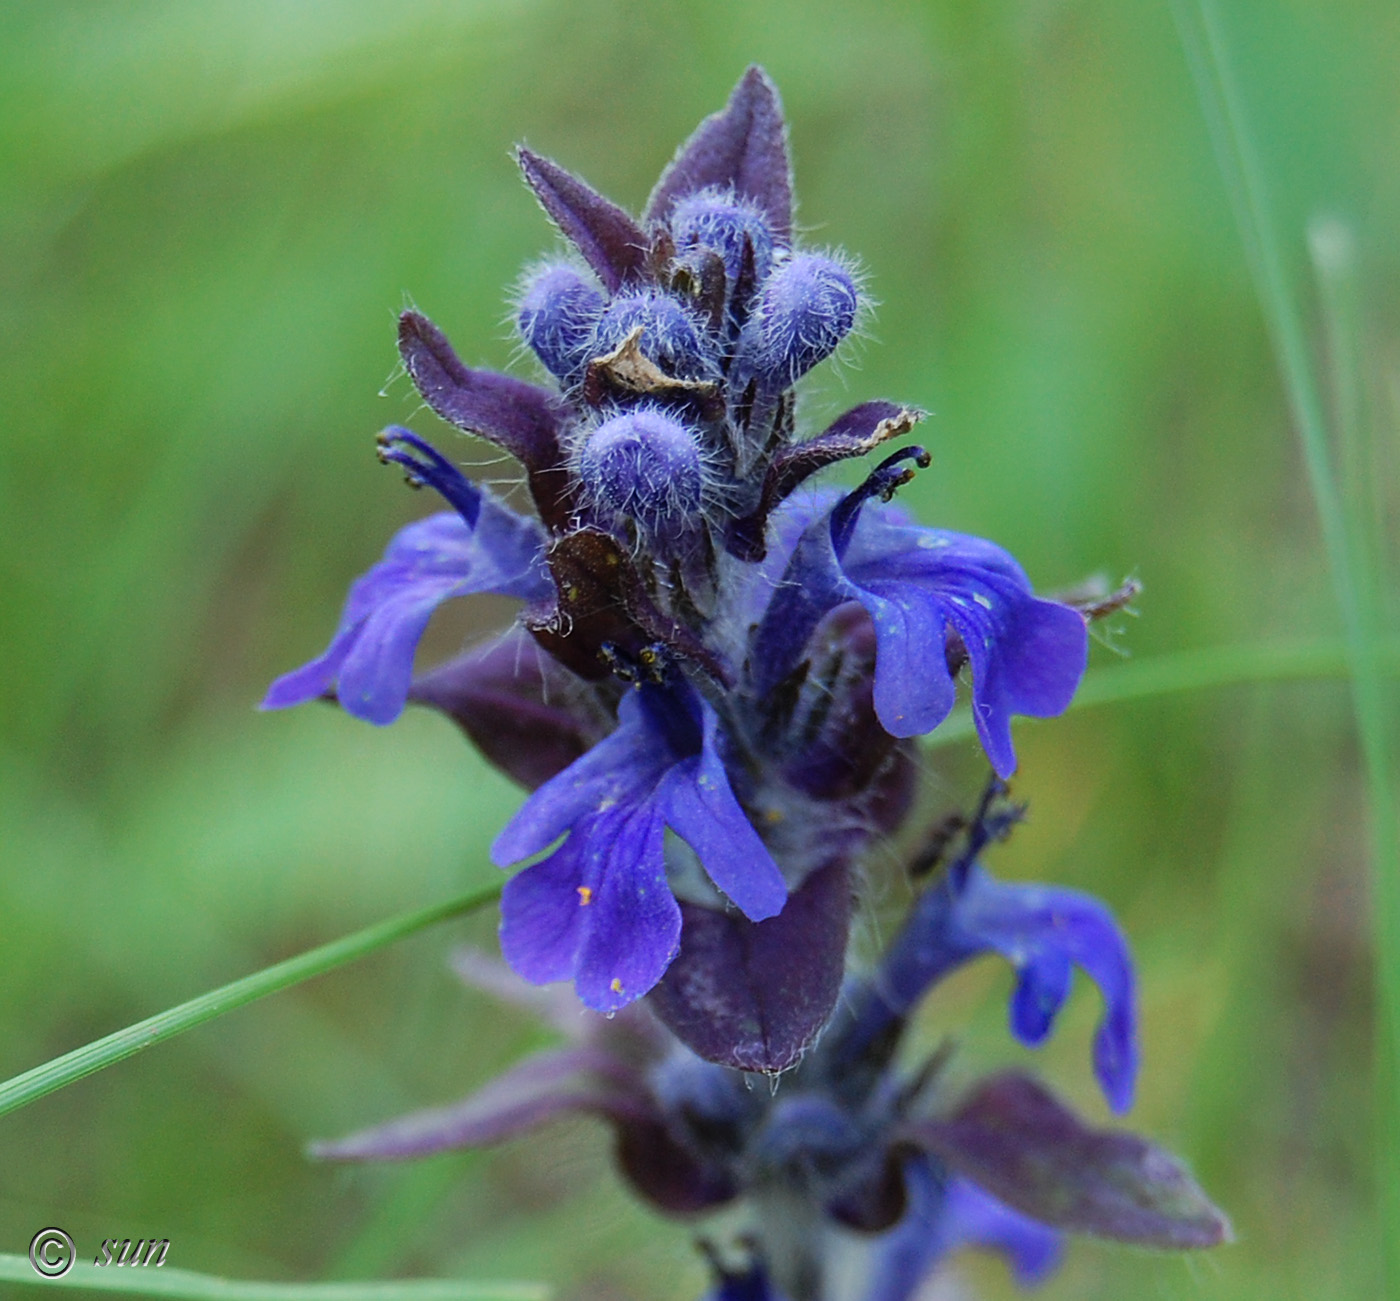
x,y
209,215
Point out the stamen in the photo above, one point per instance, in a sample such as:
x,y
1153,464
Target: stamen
x,y
883,481
993,820
431,468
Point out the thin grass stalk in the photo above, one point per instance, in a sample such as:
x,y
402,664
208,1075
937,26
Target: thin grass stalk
x,y
1207,668
1356,596
95,1056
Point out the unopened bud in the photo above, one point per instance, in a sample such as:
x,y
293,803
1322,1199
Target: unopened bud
x,y
644,466
672,337
559,311
802,312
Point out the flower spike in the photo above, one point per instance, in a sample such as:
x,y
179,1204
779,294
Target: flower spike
x,y
711,692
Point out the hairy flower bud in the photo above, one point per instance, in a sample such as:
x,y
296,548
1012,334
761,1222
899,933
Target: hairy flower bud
x,y
721,223
671,335
803,311
559,310
645,466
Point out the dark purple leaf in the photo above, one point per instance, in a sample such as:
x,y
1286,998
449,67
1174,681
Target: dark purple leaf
x,y
845,746
522,710
521,418
859,431
877,1203
1014,1138
755,995
530,1094
610,241
668,1174
744,145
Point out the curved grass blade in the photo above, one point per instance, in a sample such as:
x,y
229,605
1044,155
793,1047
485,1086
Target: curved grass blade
x,y
91,1057
189,1286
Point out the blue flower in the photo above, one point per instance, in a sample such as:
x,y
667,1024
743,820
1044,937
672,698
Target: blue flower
x,y
937,599
599,910
484,547
1042,931
946,1215
711,692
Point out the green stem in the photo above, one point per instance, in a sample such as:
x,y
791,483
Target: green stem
x,y
1355,597
189,1286
34,1084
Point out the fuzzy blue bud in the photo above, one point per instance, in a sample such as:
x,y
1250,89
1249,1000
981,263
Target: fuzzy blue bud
x,y
645,466
558,313
672,337
802,312
719,222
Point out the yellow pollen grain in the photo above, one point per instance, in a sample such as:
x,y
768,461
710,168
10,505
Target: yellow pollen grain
x,y
616,985
585,896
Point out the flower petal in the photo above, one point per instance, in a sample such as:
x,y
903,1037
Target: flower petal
x,y
1027,654
621,769
944,1215
1041,931
543,918
699,806
973,1217
634,921
597,911
914,691
371,656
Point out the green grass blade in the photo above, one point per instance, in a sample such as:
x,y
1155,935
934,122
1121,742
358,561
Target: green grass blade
x,y
34,1084
1198,670
1357,599
189,1286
